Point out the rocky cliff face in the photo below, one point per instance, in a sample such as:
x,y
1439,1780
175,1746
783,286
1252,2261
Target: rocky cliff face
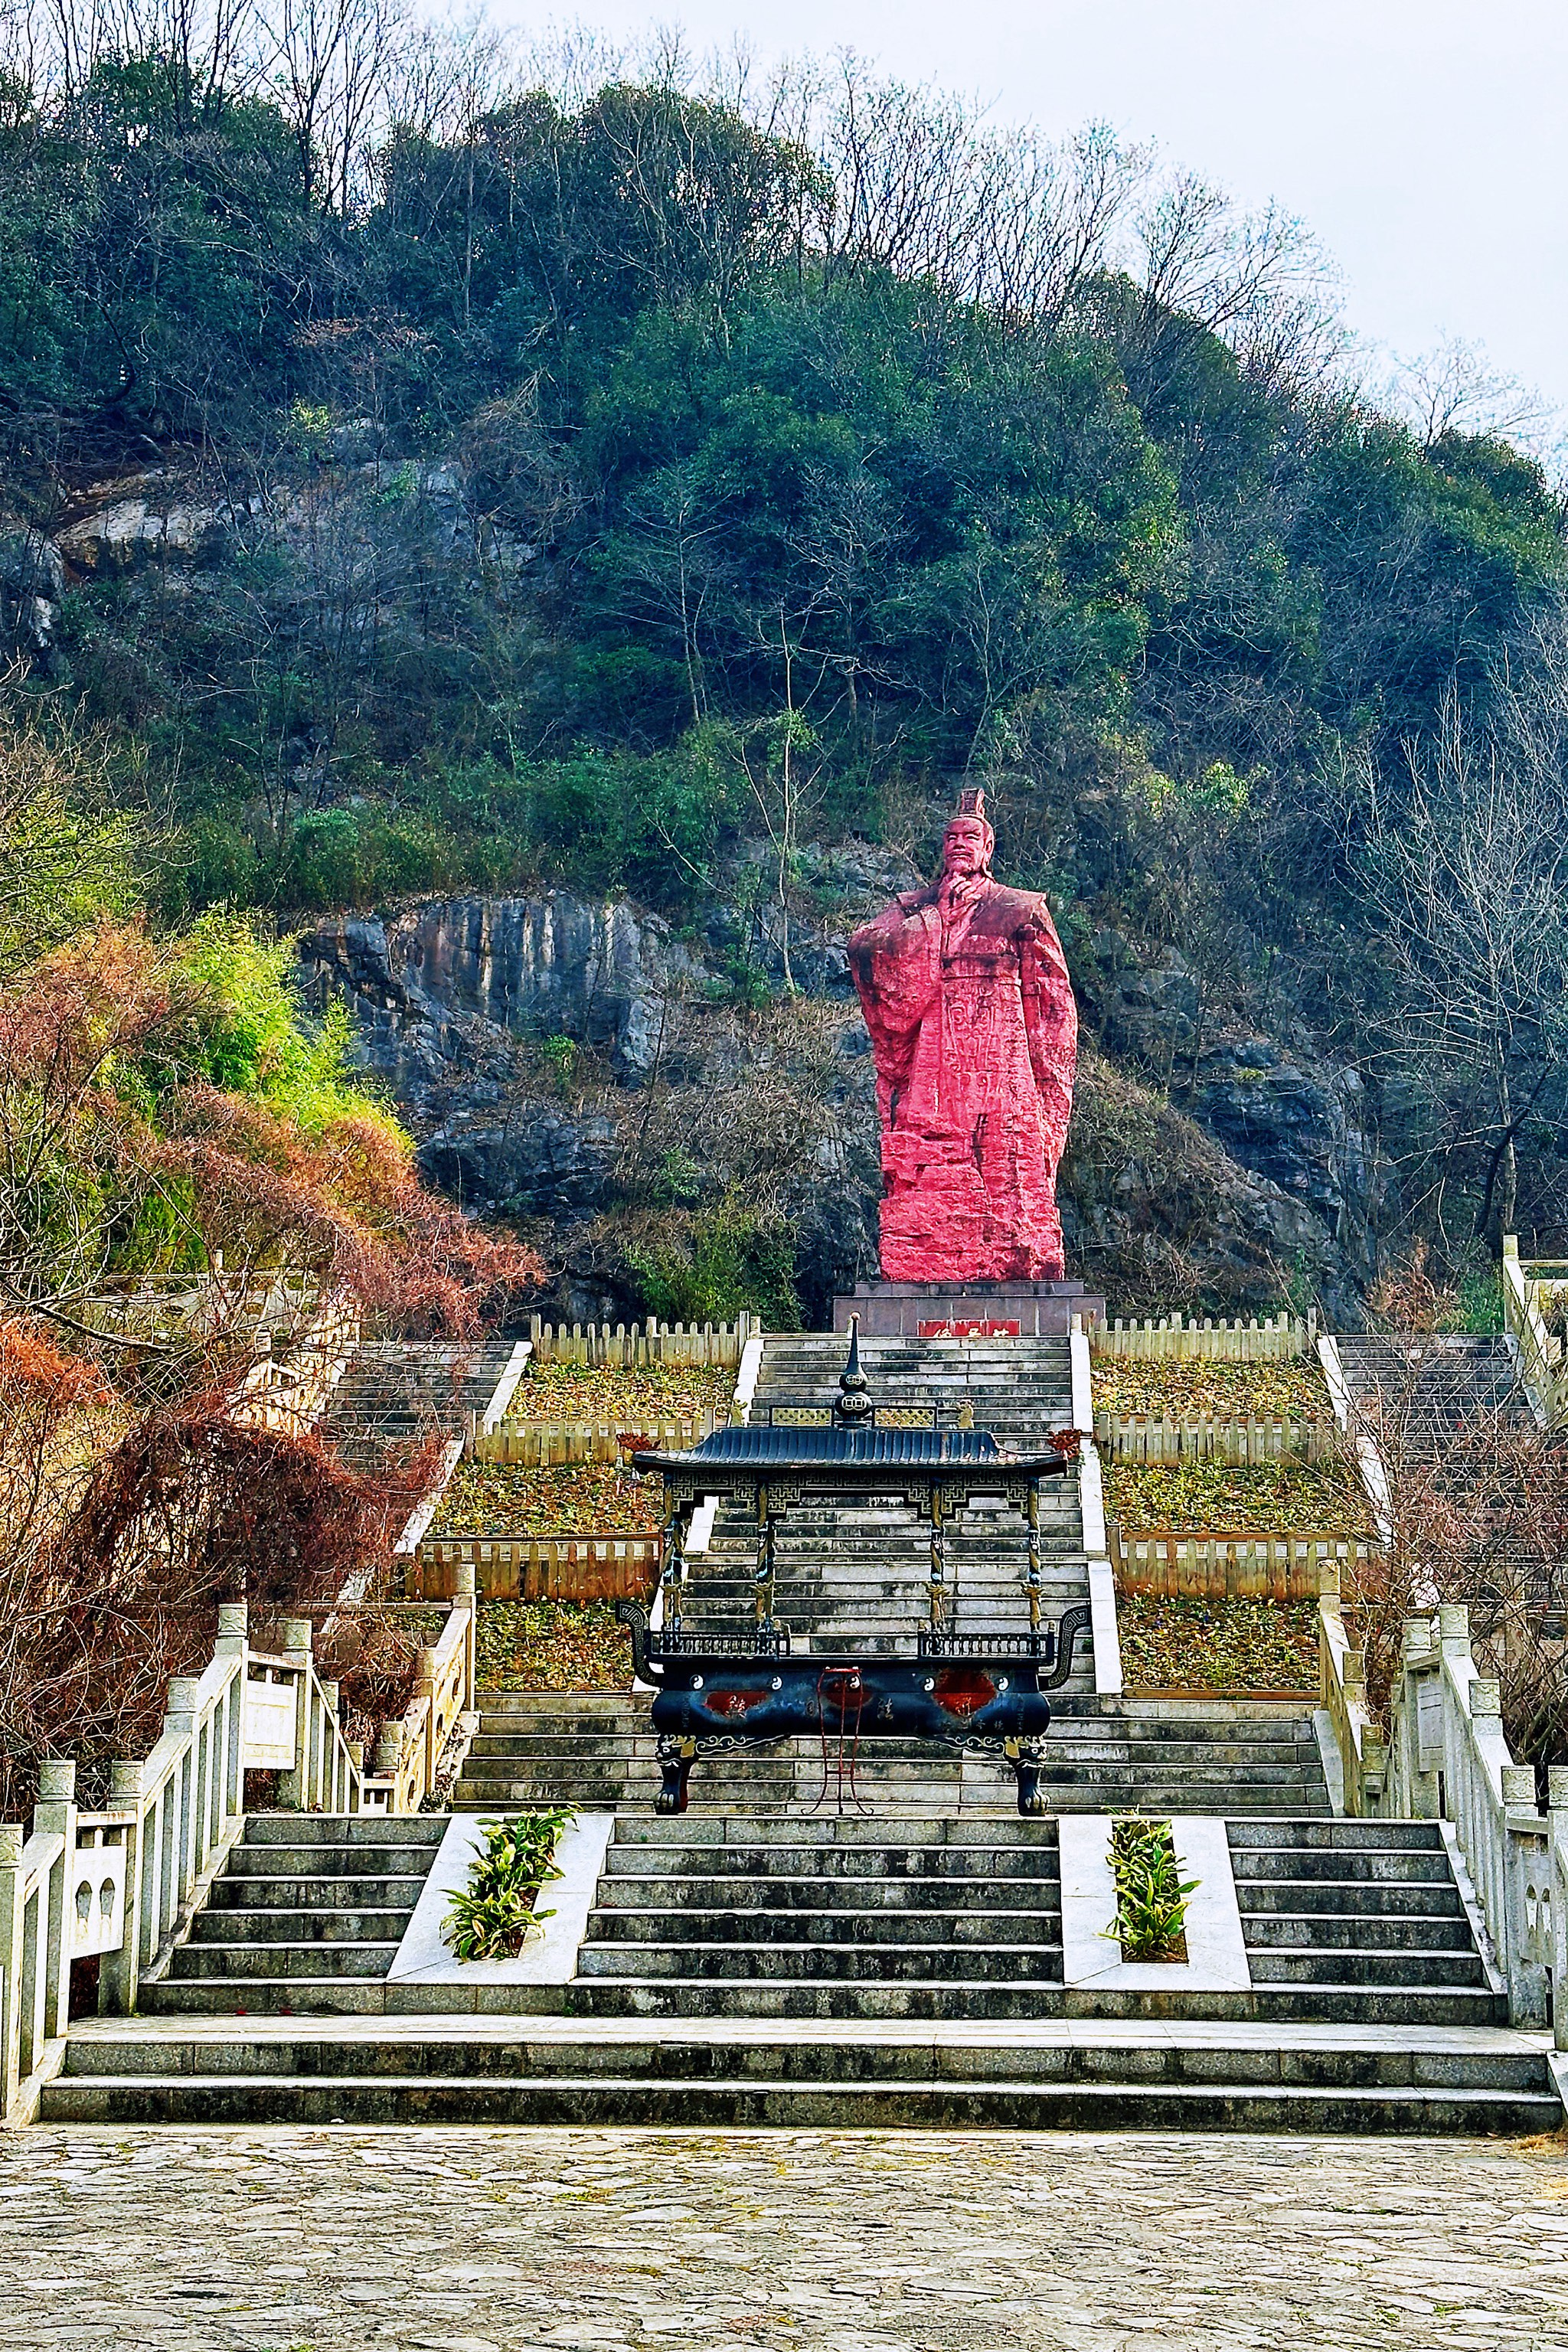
x,y
1242,1168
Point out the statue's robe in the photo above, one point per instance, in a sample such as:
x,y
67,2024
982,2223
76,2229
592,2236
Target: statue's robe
x,y
974,1033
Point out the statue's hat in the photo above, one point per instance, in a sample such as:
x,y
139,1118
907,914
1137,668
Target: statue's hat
x,y
972,804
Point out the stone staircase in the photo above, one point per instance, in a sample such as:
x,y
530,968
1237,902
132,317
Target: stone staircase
x,y
936,1919
597,1749
1433,1385
307,1911
1020,1388
769,1959
841,1973
397,1391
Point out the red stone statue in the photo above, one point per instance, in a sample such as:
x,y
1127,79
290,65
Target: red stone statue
x,y
966,995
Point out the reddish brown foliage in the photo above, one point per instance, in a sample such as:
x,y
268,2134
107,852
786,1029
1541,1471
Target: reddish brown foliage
x,y
1477,1512
347,1205
101,1605
36,1374
372,1660
111,1567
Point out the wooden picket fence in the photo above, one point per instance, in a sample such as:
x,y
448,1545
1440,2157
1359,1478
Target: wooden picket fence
x,y
552,1445
1174,1341
1147,1437
537,1567
624,1347
1218,1564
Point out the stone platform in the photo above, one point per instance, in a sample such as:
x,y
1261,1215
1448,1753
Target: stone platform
x,y
1033,1310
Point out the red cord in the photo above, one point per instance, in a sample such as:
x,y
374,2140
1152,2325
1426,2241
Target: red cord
x,y
846,1685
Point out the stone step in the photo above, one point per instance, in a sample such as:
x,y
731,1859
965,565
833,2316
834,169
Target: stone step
x,y
805,2070
227,1924
208,1961
267,1995
995,1964
255,1893
1427,1931
317,1864
912,1831
1397,1866
1027,2001
1346,1835
743,1893
1418,1969
319,1831
1384,1899
1080,2048
712,2104
494,1746
796,1923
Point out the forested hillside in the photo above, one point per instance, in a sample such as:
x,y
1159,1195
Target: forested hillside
x,y
425,483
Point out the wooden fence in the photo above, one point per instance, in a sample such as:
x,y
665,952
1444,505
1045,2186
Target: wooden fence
x,y
1174,1341
551,1444
1218,1564
623,1349
537,1567
1147,1437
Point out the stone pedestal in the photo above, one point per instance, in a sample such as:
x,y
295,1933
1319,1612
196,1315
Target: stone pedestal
x,y
914,1310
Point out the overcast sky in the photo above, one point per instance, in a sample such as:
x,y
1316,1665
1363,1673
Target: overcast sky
x,y
1423,141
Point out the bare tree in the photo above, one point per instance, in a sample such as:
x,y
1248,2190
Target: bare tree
x,y
1460,866
1471,1500
1456,389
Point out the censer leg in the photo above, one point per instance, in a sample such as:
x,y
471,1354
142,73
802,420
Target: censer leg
x,y
676,1757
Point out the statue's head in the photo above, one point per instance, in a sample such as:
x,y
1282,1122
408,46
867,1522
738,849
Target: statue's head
x,y
969,844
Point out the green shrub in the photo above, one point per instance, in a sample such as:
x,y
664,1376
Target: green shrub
x,y
1151,1893
495,1915
717,1264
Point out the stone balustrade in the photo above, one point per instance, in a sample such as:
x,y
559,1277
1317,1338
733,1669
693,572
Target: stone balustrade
x,y
1446,1759
119,1884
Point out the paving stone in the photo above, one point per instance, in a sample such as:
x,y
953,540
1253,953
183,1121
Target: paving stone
x,y
349,2240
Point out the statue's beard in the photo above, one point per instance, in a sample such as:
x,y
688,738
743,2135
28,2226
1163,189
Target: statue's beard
x,y
960,891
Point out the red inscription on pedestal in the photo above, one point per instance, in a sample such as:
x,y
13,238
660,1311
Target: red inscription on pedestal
x,y
953,1329
966,995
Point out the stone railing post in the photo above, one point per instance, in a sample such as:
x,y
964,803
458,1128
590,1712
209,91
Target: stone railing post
x,y
234,1641
12,1922
55,1814
467,1590
1557,1830
120,1973
1528,1956
425,1689
293,1787
179,1719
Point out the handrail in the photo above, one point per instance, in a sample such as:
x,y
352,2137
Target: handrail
x,y
1449,1760
1173,1339
292,1392
122,1883
1342,1674
550,1444
1541,1365
649,1343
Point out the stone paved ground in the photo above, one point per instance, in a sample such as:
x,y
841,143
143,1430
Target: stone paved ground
x,y
622,2241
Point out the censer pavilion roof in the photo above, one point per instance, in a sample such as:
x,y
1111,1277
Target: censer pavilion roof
x,y
776,1452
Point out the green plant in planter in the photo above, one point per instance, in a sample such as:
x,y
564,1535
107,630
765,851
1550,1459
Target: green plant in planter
x,y
1151,1893
495,1916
